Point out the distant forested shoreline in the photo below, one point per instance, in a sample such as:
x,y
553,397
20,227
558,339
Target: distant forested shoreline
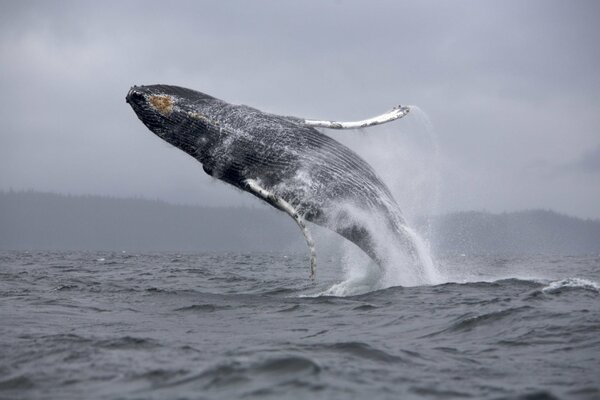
x,y
45,221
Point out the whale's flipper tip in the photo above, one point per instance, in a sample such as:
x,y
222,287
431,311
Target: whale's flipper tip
x,y
401,110
392,115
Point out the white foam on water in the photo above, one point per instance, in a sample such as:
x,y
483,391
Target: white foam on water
x,y
361,274
571,283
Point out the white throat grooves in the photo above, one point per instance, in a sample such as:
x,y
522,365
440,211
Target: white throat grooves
x,y
286,207
393,114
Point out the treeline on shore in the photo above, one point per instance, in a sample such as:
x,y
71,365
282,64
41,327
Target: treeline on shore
x,y
45,221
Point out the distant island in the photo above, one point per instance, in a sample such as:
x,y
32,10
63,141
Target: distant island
x,y
522,232
44,221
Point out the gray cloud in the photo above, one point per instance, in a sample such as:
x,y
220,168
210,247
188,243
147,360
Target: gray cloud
x,y
507,85
588,162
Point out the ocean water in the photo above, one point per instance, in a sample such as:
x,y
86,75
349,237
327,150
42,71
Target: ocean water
x,y
103,325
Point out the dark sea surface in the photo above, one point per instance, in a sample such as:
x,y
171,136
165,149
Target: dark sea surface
x,y
77,325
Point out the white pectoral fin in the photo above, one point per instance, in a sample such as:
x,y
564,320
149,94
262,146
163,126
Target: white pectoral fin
x,y
286,207
393,114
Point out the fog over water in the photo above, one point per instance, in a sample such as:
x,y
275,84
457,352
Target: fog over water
x,y
512,89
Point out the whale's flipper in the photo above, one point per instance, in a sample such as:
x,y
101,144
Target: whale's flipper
x,y
393,114
278,202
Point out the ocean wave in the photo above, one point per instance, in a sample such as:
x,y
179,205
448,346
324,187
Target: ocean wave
x,y
202,308
470,322
128,342
287,365
359,289
228,374
16,383
571,283
358,349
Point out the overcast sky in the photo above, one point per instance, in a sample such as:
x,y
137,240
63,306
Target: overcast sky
x,y
512,89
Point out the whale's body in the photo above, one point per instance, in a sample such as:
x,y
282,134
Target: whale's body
x,y
282,160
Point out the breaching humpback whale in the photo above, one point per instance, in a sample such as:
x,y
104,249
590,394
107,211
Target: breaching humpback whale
x,y
284,161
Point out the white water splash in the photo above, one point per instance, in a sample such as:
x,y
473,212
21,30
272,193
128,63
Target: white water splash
x,y
432,169
408,162
362,275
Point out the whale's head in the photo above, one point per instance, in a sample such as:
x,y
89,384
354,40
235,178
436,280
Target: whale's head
x,y
175,114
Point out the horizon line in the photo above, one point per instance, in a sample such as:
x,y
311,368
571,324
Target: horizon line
x,y
261,206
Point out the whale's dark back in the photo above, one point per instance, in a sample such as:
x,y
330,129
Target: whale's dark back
x,y
276,147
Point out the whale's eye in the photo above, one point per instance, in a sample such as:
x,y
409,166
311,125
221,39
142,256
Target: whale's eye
x,y
162,103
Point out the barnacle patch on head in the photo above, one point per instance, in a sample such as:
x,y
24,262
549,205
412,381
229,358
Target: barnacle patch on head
x,y
203,118
162,103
